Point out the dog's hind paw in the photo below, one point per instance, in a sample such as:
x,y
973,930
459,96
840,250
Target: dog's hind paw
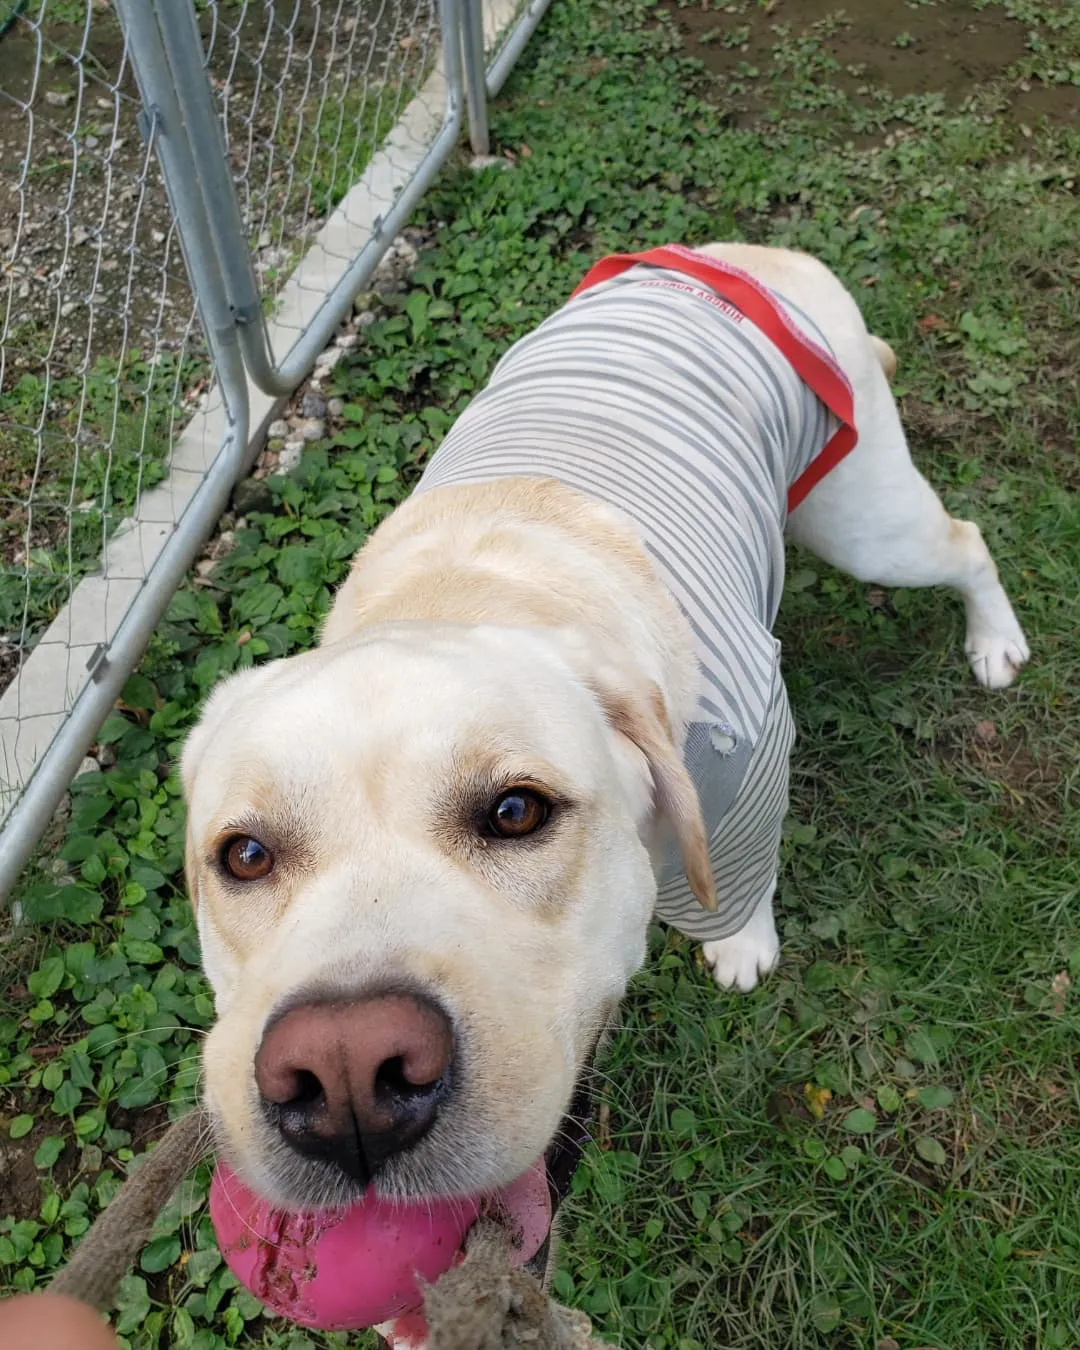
x,y
740,961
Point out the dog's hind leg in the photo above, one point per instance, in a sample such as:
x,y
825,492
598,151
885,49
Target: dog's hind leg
x,y
876,517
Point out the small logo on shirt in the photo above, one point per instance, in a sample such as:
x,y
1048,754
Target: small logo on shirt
x,y
710,297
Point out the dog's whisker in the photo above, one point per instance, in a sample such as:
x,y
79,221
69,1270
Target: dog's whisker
x,y
121,1037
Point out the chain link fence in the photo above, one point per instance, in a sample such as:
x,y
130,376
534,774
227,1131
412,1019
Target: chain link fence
x,y
259,155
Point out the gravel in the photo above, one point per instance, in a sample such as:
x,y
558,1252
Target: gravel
x,y
289,456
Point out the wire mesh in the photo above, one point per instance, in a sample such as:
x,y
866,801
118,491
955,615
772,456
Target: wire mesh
x,y
100,362
327,109
307,91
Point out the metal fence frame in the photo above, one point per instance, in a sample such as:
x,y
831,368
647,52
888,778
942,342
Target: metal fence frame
x,y
481,43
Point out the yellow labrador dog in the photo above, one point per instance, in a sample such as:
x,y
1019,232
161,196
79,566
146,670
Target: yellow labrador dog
x,y
547,705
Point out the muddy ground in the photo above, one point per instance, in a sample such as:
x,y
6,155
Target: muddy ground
x,y
902,47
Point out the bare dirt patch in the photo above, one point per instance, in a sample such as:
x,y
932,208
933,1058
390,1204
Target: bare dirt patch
x,y
21,1191
1011,761
20,1196
892,45
1029,775
21,1181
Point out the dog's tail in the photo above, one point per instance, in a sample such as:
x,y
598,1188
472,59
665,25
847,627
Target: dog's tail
x,y
885,355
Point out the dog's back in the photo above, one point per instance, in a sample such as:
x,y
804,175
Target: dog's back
x,y
654,394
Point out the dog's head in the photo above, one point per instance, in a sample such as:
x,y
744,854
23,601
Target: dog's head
x,y
421,870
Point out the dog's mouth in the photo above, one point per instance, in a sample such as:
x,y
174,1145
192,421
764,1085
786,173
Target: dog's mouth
x,y
525,1209
365,1265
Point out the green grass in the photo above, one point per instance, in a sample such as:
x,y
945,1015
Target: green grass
x,y
880,1147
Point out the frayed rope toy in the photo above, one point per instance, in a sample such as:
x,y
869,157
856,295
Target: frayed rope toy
x,y
479,1304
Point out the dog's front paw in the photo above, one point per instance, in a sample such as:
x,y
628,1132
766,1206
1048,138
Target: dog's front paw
x,y
740,961
996,658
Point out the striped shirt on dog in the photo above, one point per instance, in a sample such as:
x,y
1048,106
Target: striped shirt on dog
x,y
703,406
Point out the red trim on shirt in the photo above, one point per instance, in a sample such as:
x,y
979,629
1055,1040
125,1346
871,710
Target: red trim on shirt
x,y
812,363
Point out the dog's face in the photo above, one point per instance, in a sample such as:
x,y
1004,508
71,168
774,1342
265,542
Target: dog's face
x,y
421,885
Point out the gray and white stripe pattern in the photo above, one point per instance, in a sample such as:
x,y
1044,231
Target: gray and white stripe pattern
x,y
655,396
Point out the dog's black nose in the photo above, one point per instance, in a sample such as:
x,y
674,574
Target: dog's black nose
x,y
353,1083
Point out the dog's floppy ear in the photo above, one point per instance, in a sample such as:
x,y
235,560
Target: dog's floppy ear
x,y
634,707
639,715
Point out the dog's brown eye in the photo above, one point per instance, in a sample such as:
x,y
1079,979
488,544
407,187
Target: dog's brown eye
x,y
246,859
518,813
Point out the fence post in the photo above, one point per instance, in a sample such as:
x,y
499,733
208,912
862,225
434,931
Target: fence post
x,y
168,125
508,54
472,50
191,84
